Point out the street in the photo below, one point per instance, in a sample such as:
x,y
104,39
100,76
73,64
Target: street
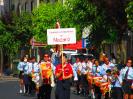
x,y
10,89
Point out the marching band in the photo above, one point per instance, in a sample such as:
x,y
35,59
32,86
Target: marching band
x,y
97,79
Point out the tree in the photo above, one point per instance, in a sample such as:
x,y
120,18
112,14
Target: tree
x,y
85,13
130,14
2,28
15,35
22,26
46,16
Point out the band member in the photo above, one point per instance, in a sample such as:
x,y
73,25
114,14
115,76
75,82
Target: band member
x,y
75,74
117,90
79,84
34,75
20,67
127,79
46,70
105,86
26,77
107,65
96,73
96,68
63,74
84,72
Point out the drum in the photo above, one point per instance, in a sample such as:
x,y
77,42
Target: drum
x,y
104,87
96,81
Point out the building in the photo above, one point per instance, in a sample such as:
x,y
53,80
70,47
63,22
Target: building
x,y
1,6
22,5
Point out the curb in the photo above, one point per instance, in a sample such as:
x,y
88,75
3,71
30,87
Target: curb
x,y
8,78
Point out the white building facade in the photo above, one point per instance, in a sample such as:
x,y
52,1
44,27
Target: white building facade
x,y
19,6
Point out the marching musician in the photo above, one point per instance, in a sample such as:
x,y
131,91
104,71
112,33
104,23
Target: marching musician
x,y
117,90
96,68
34,75
26,77
46,77
96,73
21,67
75,74
127,79
84,71
106,84
107,65
63,74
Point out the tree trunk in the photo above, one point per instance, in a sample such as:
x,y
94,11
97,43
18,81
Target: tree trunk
x,y
121,51
1,61
11,63
123,47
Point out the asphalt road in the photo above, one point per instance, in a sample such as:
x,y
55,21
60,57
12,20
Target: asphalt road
x,y
10,89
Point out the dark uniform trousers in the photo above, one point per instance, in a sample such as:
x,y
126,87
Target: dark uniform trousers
x,y
117,93
45,91
63,89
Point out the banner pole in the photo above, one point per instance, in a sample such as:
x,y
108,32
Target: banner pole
x,y
62,61
58,27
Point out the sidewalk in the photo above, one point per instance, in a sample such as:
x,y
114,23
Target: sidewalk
x,y
8,78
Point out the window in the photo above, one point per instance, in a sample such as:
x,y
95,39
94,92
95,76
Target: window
x,y
32,5
12,7
26,6
1,2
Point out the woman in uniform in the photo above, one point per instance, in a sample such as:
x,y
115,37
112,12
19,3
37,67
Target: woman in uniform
x,y
63,74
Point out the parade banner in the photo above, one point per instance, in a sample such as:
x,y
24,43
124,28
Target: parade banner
x,y
61,36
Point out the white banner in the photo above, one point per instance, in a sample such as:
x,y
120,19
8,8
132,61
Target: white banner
x,y
61,36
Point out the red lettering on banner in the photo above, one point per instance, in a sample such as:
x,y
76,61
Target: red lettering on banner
x,y
61,39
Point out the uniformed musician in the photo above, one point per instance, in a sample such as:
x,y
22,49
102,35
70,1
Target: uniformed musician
x,y
107,65
46,76
21,67
127,79
34,71
63,74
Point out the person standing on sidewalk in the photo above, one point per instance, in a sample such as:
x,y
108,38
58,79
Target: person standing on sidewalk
x,y
63,74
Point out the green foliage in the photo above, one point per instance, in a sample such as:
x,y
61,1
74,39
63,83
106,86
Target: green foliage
x,y
21,26
103,31
9,44
129,11
85,13
2,29
46,16
15,33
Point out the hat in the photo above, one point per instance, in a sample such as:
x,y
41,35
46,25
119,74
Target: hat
x,y
108,71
